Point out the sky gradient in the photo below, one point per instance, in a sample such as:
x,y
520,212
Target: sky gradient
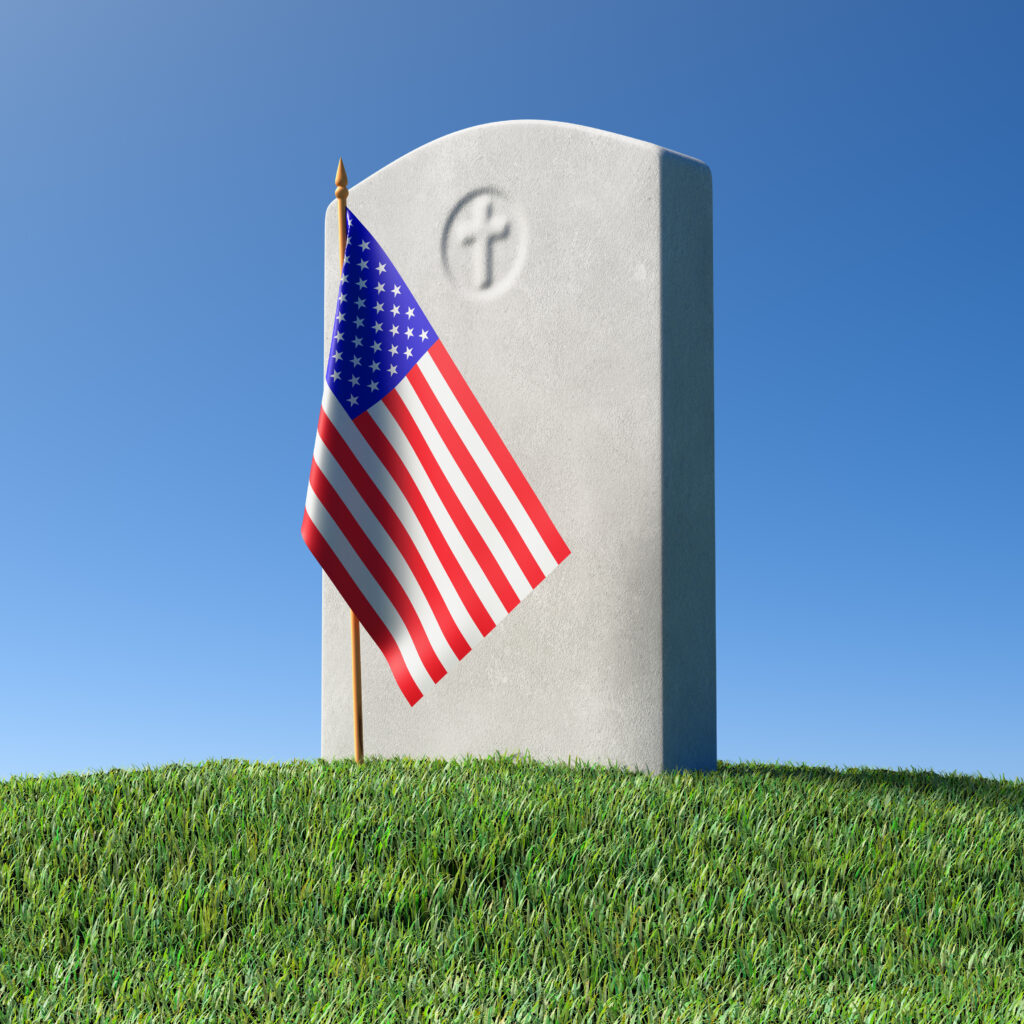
x,y
164,180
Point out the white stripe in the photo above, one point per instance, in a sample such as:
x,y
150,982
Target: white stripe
x,y
369,588
464,491
384,481
490,469
407,455
387,549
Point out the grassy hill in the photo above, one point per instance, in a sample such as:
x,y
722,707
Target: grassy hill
x,y
508,890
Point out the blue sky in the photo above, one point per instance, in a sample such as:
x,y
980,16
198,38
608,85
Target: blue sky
x,y
165,174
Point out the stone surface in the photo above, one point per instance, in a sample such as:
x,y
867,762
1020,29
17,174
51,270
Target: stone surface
x,y
568,271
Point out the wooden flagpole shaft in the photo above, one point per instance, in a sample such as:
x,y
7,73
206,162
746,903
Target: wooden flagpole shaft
x,y
341,193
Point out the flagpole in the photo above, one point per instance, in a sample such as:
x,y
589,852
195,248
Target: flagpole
x,y
341,193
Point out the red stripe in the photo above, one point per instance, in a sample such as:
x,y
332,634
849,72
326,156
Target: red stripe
x,y
380,569
353,597
384,451
475,477
481,552
534,509
388,518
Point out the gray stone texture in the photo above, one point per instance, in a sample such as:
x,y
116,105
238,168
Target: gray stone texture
x,y
587,338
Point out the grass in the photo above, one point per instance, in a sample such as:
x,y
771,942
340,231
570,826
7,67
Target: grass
x,y
509,890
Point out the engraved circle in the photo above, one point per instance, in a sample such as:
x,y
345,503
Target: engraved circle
x,y
483,247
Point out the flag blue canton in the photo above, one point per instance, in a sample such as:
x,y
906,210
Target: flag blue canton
x,y
379,329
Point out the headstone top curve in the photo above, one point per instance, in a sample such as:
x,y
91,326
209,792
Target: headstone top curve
x,y
492,127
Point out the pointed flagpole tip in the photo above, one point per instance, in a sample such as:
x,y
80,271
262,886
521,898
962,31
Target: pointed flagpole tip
x,y
341,194
341,181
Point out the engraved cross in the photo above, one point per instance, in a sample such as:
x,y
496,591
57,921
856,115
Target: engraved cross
x,y
484,228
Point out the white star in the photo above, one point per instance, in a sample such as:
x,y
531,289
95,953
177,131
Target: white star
x,y
376,346
362,282
356,360
341,314
337,334
364,245
359,322
363,264
358,342
354,381
395,311
336,375
352,399
381,268
409,312
394,328
373,385
335,355
392,370
379,308
397,290
393,350
408,332
377,326
379,286
423,335
374,366
360,303
408,353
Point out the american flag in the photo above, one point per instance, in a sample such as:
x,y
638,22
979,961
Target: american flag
x,y
415,509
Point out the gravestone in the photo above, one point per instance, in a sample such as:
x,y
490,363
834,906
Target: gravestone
x,y
568,273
